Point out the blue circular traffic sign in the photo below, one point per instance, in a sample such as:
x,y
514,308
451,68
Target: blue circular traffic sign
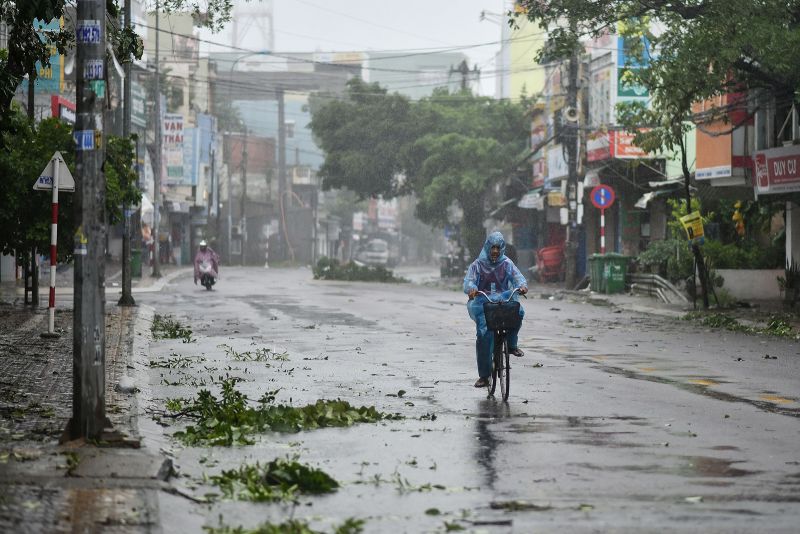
x,y
602,197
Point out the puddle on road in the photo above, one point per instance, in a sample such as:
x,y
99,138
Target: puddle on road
x,y
309,313
777,399
574,430
690,467
769,401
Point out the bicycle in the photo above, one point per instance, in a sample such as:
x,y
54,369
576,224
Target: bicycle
x,y
501,317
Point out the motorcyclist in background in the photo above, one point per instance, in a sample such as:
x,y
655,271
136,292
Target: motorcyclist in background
x,y
492,273
206,255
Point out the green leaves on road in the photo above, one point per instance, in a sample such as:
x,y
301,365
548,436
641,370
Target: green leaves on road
x,y
278,480
776,325
292,526
165,327
331,269
231,420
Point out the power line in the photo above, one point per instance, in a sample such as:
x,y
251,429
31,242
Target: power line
x,y
411,52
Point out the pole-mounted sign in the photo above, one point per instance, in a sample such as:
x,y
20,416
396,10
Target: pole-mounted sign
x,y
55,177
602,197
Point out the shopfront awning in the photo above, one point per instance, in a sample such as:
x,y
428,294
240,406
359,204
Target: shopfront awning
x,y
662,188
532,200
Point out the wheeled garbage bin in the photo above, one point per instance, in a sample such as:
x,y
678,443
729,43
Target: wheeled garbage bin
x,y
615,270
136,263
596,265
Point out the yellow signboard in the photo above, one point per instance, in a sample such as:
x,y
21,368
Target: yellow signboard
x,y
693,224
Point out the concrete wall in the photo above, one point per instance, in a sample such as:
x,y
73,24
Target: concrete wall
x,y
752,284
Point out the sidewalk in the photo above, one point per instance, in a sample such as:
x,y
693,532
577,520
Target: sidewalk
x,y
72,487
14,293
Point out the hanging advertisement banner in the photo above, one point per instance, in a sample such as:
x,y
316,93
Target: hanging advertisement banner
x,y
138,99
173,147
49,79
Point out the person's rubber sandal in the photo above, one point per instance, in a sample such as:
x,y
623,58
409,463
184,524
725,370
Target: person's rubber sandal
x,y
516,352
482,383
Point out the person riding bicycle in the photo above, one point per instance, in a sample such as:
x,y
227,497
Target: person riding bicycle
x,y
492,272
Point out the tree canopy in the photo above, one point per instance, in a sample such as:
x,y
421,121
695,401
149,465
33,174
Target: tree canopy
x,y
710,46
446,149
25,213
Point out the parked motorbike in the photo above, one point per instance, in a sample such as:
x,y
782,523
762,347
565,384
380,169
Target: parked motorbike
x,y
208,277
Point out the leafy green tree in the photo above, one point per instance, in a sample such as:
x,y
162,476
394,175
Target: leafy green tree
x,y
364,137
447,149
25,213
473,143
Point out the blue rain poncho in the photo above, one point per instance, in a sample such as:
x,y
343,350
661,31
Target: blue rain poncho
x,y
500,277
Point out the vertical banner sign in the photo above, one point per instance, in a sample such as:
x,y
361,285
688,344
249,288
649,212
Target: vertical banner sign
x,y
693,224
172,135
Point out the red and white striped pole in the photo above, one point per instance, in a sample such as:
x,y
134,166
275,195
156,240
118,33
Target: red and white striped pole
x,y
602,231
51,323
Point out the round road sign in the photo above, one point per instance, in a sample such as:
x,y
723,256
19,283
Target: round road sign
x,y
602,197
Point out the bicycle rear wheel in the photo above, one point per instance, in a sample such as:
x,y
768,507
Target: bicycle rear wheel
x,y
504,371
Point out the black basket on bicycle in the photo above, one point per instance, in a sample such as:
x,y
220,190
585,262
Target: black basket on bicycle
x,y
502,315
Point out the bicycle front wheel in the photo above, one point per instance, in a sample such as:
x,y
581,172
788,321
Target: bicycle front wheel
x,y
504,371
497,358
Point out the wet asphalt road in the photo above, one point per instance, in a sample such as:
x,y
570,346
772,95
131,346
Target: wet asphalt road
x,y
617,421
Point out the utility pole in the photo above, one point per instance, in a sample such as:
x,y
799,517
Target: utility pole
x,y
463,70
157,173
126,299
34,265
570,136
88,345
230,215
282,186
243,224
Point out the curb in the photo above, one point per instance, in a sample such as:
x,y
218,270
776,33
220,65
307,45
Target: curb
x,y
157,286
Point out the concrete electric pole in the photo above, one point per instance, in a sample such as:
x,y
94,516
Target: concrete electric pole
x,y
243,224
88,345
126,299
157,173
571,135
282,185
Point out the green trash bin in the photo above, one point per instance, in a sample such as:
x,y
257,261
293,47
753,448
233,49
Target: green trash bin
x,y
136,263
615,270
596,266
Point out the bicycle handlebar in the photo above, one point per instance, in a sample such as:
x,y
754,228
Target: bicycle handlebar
x,y
516,289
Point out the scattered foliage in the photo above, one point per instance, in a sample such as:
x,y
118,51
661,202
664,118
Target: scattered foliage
x,y
165,327
278,480
259,355
292,526
777,325
331,269
230,419
176,361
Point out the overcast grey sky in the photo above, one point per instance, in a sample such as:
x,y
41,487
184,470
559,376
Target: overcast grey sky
x,y
363,25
